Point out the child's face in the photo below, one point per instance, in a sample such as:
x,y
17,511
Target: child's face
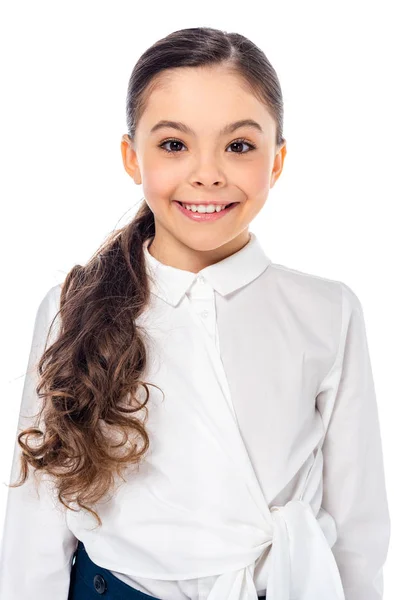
x,y
204,164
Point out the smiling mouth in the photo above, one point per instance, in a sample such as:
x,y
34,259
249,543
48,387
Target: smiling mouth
x,y
189,203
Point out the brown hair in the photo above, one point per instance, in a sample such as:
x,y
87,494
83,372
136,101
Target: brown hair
x,y
97,360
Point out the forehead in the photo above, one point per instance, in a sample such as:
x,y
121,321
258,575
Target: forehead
x,y
204,98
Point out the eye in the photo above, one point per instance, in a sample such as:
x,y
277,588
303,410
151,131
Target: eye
x,y
239,142
170,141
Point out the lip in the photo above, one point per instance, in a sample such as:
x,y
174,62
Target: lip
x,y
206,202
204,217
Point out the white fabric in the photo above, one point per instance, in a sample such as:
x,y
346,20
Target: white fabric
x,y
265,468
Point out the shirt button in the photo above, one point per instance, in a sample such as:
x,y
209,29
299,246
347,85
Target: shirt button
x,y
200,279
204,313
99,584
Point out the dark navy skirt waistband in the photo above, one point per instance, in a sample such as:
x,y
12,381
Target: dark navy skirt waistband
x,y
91,582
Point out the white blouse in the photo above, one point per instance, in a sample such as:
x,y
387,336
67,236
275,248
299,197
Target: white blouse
x,y
265,471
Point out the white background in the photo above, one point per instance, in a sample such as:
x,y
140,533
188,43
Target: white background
x,y
334,212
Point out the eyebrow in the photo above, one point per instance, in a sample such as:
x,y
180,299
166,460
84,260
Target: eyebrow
x,y
230,128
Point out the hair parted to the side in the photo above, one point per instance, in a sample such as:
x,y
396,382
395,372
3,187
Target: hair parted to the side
x,y
95,364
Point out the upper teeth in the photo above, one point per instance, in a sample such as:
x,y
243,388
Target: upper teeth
x,y
202,208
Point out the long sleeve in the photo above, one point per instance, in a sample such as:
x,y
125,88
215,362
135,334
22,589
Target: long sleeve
x,y
354,490
37,546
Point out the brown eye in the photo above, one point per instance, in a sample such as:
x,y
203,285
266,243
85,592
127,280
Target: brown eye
x,y
240,144
172,141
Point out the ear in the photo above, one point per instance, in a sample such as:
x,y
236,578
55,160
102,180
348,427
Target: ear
x,y
278,164
129,158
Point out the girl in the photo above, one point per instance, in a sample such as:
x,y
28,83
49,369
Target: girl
x,y
232,396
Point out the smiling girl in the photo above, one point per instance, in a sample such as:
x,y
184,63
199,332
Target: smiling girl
x,y
206,422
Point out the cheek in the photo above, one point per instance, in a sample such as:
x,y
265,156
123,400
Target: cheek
x,y
255,181
262,179
159,179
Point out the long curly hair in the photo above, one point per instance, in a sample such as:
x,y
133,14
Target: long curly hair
x,y
90,375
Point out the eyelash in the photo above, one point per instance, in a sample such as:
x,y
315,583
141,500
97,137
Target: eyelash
x,y
241,140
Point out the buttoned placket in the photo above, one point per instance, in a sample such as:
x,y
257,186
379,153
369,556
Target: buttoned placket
x,y
202,297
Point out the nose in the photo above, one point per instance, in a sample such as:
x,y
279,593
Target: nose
x,y
208,173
